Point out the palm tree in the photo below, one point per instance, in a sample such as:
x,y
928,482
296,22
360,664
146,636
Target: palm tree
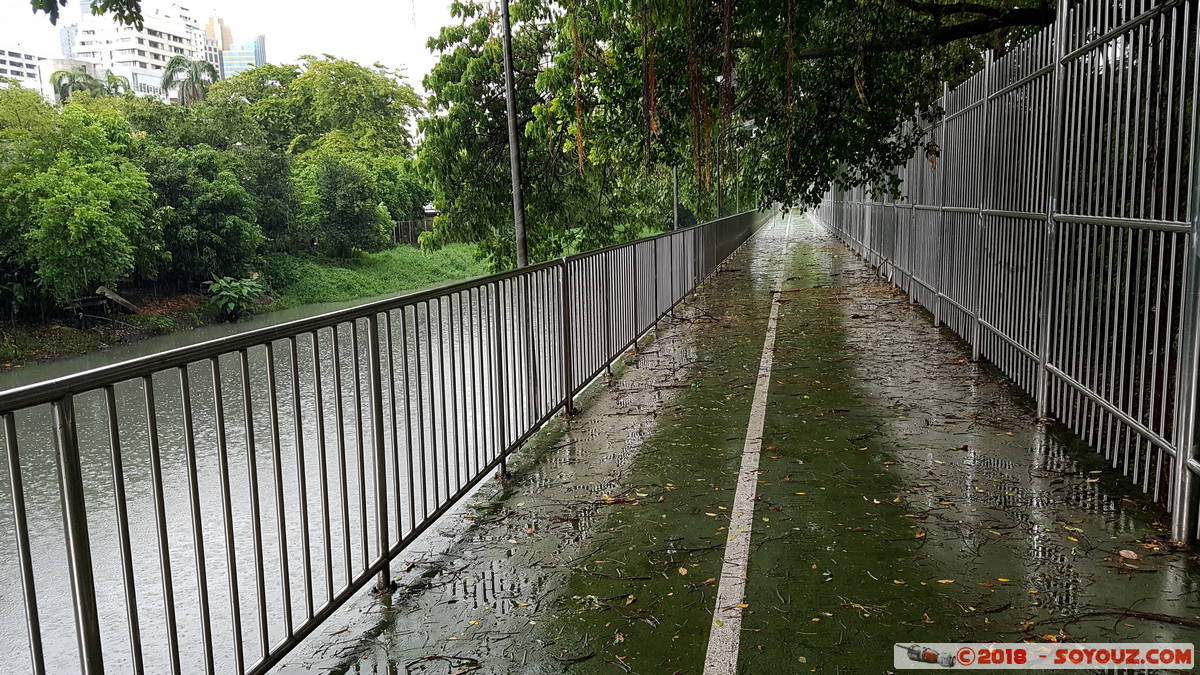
x,y
67,82
193,78
116,85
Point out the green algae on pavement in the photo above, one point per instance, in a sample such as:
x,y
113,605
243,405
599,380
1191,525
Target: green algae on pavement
x,y
907,495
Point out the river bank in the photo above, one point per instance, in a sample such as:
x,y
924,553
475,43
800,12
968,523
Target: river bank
x,y
292,282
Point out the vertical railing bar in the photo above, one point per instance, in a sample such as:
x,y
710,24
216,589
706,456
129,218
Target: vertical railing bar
x,y
568,380
450,343
189,439
160,520
260,582
408,424
444,474
359,445
298,433
1054,187
227,516
285,582
395,418
474,316
338,415
1188,368
323,464
79,555
381,502
33,624
420,390
501,389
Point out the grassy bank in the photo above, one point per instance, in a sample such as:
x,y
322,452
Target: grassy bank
x,y
292,280
296,280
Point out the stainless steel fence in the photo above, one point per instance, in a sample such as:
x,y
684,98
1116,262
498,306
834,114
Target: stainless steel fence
x,y
1057,231
217,502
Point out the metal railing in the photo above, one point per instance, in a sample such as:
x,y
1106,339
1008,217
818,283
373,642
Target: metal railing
x,y
1057,231
217,502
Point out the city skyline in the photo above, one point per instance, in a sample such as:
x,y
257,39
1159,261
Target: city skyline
x,y
394,34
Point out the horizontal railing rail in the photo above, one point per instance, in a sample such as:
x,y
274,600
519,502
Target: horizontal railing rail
x,y
211,505
1056,231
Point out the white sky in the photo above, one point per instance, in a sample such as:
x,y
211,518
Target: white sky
x,y
393,32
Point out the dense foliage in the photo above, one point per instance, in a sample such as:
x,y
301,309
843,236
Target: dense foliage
x,y
752,102
110,188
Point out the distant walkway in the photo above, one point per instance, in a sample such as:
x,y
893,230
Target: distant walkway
x,y
903,494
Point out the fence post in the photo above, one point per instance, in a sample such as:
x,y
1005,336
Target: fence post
x,y
381,510
1053,188
568,375
79,552
976,261
1186,390
938,282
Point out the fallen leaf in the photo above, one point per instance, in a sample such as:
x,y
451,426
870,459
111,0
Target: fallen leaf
x,y
1129,555
945,581
683,570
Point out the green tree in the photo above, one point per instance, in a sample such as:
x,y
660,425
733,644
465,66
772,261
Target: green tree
x,y
74,210
210,227
339,207
193,77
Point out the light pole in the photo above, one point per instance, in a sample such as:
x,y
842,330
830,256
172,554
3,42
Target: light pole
x,y
514,149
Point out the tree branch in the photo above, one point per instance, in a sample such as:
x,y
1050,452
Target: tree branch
x,y
938,36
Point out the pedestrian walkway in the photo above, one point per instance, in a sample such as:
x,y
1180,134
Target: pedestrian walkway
x,y
898,493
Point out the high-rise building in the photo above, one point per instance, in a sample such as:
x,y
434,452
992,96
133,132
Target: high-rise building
x,y
142,54
217,30
66,39
239,58
18,64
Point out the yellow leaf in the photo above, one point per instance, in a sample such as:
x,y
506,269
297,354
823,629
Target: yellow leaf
x,y
1002,579
683,570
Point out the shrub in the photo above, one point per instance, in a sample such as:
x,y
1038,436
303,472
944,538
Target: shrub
x,y
232,297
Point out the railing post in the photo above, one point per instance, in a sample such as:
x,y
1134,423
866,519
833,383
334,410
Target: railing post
x,y
637,319
381,489
1187,397
501,381
1053,188
79,552
608,341
568,375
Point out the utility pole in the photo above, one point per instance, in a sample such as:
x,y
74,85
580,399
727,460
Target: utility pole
x,y
514,149
674,198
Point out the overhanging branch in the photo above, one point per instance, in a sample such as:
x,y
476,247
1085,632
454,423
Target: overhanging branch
x,y
937,37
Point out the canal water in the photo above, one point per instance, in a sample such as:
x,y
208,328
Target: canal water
x,y
184,526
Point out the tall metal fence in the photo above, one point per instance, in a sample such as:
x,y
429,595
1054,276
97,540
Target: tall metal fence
x,y
409,231
208,507
1057,231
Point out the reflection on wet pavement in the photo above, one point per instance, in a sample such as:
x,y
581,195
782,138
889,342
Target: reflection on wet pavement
x,y
905,495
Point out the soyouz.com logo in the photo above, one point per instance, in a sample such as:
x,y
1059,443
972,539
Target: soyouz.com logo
x,y
1054,656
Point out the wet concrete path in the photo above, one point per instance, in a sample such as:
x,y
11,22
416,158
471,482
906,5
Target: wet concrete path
x,y
904,494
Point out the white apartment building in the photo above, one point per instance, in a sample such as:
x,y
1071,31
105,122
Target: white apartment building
x,y
142,55
18,64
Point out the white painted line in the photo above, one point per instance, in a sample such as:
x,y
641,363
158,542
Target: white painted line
x,y
725,635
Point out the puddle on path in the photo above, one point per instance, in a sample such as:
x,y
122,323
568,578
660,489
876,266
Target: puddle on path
x,y
905,494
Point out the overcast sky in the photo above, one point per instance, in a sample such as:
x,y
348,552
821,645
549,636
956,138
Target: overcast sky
x,y
392,32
